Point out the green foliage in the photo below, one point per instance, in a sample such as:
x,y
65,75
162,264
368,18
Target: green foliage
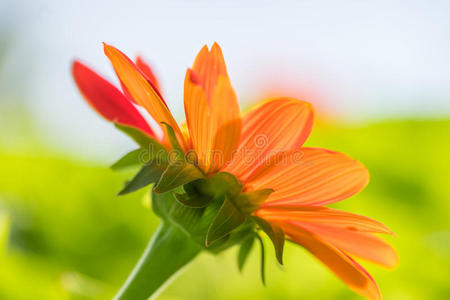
x,y
4,232
76,240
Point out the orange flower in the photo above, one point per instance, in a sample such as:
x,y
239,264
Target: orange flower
x,y
263,149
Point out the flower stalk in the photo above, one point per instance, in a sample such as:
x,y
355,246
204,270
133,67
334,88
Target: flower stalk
x,y
168,251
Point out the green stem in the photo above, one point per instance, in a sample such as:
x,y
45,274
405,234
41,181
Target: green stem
x,y
168,251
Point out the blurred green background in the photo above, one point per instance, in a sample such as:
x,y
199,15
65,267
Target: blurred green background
x,y
378,74
70,237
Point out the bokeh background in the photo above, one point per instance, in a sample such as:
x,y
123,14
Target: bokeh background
x,y
378,74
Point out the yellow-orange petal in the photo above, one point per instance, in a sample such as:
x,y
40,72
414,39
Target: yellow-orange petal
x,y
355,276
310,176
271,127
323,215
197,117
140,89
361,244
212,110
185,131
226,117
208,66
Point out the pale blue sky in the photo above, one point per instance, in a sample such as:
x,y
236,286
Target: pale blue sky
x,y
362,60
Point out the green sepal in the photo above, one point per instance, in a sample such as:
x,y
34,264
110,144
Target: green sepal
x,y
177,174
276,235
195,222
263,260
131,159
177,152
190,201
227,219
179,171
244,251
148,174
143,156
220,184
248,202
138,136
192,198
150,149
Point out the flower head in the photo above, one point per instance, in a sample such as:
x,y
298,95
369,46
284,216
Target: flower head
x,y
241,173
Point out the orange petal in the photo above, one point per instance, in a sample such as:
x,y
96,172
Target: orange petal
x,y
197,117
212,110
310,176
147,70
208,66
274,126
356,277
225,113
140,89
361,244
185,131
323,215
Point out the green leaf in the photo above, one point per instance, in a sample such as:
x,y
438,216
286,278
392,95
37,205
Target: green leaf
x,y
263,260
131,159
150,173
244,251
192,198
138,136
177,152
276,235
176,174
248,202
227,219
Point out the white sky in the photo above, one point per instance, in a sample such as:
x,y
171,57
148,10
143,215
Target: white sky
x,y
358,59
